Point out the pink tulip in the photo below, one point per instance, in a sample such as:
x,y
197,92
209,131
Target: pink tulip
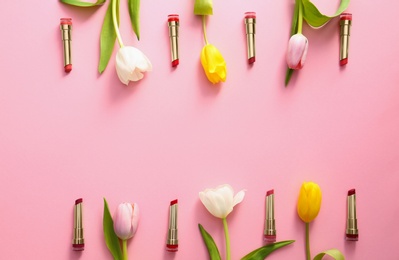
x,y
126,220
297,50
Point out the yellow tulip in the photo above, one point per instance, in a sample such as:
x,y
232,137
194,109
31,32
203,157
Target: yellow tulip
x,y
309,201
213,63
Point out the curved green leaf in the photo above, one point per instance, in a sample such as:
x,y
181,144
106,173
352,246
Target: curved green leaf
x,y
203,7
334,253
210,244
316,19
107,37
82,3
111,239
134,12
262,252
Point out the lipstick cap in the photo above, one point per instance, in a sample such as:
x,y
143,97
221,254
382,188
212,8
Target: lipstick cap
x,y
250,22
78,242
352,232
269,233
172,243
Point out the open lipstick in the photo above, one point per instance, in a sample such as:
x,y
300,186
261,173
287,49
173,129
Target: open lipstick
x,y
66,34
352,233
173,24
78,242
172,243
269,233
250,21
345,23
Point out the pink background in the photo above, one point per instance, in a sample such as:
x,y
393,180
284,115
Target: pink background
x,y
173,134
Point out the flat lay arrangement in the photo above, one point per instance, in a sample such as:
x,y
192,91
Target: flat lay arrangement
x,y
201,129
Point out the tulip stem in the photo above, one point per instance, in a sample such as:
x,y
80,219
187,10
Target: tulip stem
x,y
115,22
300,17
124,249
204,28
227,238
307,242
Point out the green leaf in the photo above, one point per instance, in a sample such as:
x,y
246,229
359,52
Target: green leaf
x,y
203,7
316,19
210,244
334,253
82,3
107,37
111,239
134,12
262,252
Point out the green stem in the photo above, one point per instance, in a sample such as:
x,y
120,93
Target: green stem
x,y
115,22
227,238
124,249
204,28
300,16
307,242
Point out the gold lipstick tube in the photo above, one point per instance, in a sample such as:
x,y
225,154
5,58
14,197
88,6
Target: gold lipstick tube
x,y
250,21
173,24
78,242
172,243
352,232
269,233
66,33
345,25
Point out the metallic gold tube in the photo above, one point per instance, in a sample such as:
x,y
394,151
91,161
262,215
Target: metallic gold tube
x,y
269,233
352,232
250,21
172,242
78,242
345,25
66,33
173,24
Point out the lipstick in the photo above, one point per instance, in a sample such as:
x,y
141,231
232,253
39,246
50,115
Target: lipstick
x,y
78,242
352,233
172,243
269,233
250,21
66,33
173,24
345,23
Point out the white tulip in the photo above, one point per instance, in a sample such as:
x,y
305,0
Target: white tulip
x,y
131,63
221,201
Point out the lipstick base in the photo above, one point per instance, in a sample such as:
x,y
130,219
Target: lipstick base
x,y
172,248
343,62
351,237
269,238
78,247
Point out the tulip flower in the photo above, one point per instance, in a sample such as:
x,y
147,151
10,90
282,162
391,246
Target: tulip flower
x,y
308,208
297,50
211,59
309,201
126,220
130,62
213,63
220,203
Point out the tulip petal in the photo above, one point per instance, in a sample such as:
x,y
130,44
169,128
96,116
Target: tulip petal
x,y
239,197
208,203
135,217
213,63
130,64
123,221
